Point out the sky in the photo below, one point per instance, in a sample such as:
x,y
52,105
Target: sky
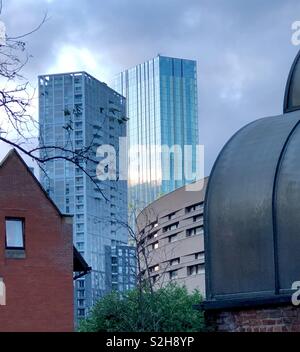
x,y
243,49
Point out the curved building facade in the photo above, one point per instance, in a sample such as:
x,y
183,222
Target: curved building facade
x,y
252,209
172,238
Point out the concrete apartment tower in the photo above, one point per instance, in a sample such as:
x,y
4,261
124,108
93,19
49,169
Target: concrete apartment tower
x,y
76,111
161,97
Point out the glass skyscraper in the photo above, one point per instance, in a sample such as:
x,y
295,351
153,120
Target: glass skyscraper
x,y
162,109
77,111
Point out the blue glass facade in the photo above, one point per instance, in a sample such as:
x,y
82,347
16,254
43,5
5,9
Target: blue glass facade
x,y
162,110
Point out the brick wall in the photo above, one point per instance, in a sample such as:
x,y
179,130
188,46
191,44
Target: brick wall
x,y
275,319
39,287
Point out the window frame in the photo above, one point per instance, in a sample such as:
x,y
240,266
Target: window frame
x,y
13,218
173,238
175,261
171,272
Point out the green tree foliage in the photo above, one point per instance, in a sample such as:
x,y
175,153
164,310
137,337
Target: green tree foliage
x,y
168,309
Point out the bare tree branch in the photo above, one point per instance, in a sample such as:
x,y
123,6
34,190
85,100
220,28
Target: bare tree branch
x,y
17,124
45,18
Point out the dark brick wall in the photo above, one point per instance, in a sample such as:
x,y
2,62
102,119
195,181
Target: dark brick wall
x,y
275,319
39,288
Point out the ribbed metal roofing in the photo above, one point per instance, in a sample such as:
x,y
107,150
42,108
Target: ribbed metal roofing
x,y
252,207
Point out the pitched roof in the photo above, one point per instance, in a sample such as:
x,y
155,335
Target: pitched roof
x,y
79,264
13,152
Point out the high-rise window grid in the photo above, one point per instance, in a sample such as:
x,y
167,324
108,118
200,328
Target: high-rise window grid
x,y
74,110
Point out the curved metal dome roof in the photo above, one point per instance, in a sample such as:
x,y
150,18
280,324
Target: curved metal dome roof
x,y
252,208
292,90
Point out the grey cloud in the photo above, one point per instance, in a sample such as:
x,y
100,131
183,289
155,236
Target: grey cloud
x,y
243,49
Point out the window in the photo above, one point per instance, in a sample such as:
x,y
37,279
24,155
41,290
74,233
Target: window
x,y
14,233
80,246
173,274
81,284
198,218
153,235
155,279
195,269
79,227
80,294
79,189
78,125
79,199
80,236
175,261
199,206
155,225
81,302
81,312
172,238
195,207
199,256
154,269
171,227
195,231
115,287
154,245
172,216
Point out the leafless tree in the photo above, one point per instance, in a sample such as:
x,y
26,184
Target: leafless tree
x,y
141,229
18,126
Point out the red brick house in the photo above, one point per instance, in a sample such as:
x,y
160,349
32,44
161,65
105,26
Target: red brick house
x,y
36,254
